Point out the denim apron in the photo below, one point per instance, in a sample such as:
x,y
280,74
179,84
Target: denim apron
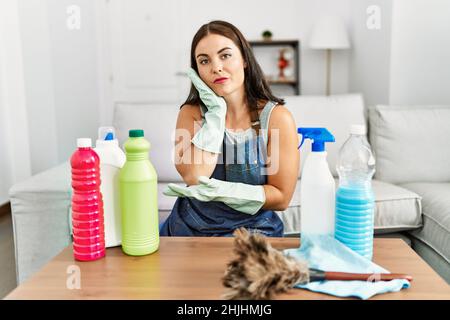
x,y
244,162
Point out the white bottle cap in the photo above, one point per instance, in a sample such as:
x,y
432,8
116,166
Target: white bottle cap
x,y
358,129
84,142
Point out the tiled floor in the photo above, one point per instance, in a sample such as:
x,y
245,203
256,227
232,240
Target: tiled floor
x,y
7,263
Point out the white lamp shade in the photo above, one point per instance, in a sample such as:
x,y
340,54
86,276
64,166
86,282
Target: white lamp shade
x,y
329,33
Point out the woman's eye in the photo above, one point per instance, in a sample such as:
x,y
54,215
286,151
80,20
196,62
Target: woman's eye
x,y
226,55
204,61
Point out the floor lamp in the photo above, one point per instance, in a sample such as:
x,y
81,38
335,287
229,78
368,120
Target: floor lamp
x,y
328,34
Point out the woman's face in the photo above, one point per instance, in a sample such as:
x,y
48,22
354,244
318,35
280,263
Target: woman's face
x,y
220,64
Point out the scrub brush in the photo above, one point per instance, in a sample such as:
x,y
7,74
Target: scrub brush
x,y
259,271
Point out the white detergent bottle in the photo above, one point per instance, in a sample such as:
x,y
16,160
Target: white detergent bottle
x,y
317,186
112,159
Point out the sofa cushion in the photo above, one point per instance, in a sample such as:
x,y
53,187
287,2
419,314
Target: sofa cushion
x,y
436,216
396,209
411,144
336,113
291,216
158,122
40,209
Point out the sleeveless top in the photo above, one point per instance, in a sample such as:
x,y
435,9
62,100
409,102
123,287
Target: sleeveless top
x,y
243,159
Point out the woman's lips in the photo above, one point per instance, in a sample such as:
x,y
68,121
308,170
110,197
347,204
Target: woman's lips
x,y
220,80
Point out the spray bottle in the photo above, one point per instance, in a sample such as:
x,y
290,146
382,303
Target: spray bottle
x,y
317,186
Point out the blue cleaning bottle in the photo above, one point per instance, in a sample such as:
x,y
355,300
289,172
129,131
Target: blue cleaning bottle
x,y
317,186
355,201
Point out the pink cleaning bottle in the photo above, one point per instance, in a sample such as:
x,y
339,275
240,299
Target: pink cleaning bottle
x,y
87,203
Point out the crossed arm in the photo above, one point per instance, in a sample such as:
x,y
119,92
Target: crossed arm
x,y
283,155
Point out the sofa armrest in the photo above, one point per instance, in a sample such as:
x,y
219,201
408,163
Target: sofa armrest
x,y
40,212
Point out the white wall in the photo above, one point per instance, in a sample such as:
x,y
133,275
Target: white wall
x,y
61,65
287,19
60,72
74,64
420,56
406,61
370,55
14,145
39,84
143,31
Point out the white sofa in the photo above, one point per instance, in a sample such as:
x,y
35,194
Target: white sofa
x,y
40,205
336,113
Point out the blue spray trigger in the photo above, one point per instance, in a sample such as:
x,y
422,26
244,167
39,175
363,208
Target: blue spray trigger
x,y
109,136
318,135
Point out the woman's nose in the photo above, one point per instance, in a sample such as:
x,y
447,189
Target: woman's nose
x,y
217,67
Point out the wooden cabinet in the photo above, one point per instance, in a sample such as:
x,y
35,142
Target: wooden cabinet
x,y
268,53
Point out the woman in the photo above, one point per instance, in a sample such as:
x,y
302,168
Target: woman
x,y
238,134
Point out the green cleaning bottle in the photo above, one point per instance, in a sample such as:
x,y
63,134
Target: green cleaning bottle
x,y
138,198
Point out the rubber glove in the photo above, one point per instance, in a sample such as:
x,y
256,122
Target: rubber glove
x,y
210,136
242,197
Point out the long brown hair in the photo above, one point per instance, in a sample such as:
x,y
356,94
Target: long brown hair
x,y
256,87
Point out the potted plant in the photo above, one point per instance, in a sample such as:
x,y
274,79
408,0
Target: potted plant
x,y
267,35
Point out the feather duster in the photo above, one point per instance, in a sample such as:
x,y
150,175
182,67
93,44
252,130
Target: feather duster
x,y
259,271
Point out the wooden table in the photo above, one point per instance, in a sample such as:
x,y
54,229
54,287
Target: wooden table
x,y
191,268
